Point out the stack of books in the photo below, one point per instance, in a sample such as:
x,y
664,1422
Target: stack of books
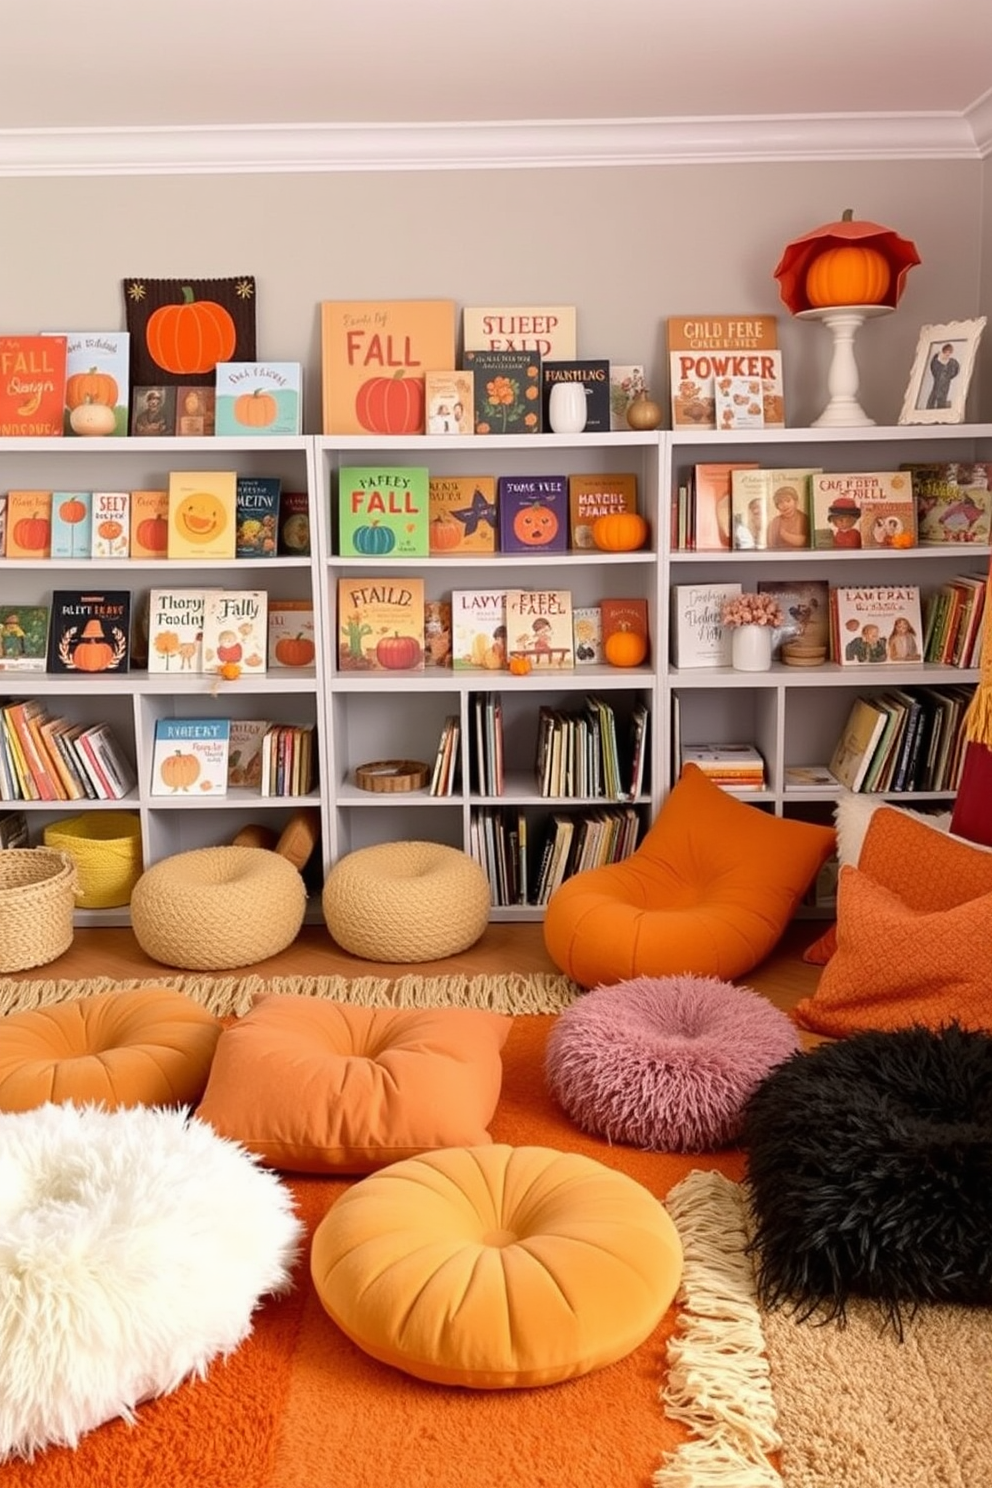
x,y
738,767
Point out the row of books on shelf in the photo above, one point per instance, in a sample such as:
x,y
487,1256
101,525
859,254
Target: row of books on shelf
x,y
48,758
386,624
183,632
200,516
581,753
569,843
903,739
204,756
747,507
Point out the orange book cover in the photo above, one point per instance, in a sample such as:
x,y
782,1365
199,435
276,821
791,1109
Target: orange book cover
x,y
702,348
374,355
29,524
712,488
592,496
149,524
32,386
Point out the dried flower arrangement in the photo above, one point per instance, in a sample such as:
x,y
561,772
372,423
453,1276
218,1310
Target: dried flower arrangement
x,y
752,609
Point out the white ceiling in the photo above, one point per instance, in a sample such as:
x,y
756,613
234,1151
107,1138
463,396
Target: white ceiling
x,y
296,65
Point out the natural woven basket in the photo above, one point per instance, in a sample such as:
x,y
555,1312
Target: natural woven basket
x,y
106,848
37,899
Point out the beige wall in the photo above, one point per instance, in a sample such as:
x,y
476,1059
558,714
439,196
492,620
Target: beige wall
x,y
628,246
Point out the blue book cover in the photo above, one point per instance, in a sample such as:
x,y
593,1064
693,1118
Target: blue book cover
x,y
189,757
533,514
258,398
72,524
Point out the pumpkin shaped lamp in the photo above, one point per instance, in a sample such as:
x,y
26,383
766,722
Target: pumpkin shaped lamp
x,y
845,273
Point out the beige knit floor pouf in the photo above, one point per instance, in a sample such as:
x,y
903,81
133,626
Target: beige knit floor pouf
x,y
217,908
406,901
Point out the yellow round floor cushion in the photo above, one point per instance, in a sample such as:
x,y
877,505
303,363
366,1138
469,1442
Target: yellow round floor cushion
x,y
497,1267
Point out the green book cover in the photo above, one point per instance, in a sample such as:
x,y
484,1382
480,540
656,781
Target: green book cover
x,y
383,511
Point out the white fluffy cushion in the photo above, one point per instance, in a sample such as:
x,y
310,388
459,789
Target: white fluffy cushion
x,y
134,1247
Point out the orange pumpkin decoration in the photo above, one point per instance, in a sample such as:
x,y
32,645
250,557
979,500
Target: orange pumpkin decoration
x,y
72,511
256,410
180,771
535,525
34,534
296,651
846,275
192,337
230,671
519,666
110,530
153,534
620,532
625,648
445,533
91,387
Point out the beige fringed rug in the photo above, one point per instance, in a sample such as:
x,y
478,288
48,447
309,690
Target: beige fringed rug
x,y
226,996
771,1401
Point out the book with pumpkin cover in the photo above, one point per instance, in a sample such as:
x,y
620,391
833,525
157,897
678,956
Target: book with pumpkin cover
x,y
594,376
381,624
23,637
149,524
450,402
291,638
373,356
592,496
539,628
548,330
478,629
383,511
507,391
258,398
257,516
32,386
236,630
175,631
533,514
29,524
89,631
625,631
189,756
97,382
110,535
72,524
202,514
462,514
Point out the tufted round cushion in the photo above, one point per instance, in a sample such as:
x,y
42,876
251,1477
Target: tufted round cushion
x,y
497,1267
665,1063
217,907
134,1247
314,1087
406,901
149,1047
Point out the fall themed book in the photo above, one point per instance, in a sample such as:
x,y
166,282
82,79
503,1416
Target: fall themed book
x,y
175,630
462,514
863,509
539,628
32,386
624,617
704,348
29,524
189,756
953,502
712,499
72,524
97,382
89,631
149,524
256,516
587,635
546,330
258,398
533,514
595,378
507,391
291,638
236,630
244,760
592,496
202,514
877,624
110,532
383,511
381,624
374,355
478,629
23,637
450,402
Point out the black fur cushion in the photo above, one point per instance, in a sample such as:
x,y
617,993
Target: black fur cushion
x,y
870,1173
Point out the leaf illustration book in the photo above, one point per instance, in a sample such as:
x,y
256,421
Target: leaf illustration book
x,y
89,631
383,511
507,391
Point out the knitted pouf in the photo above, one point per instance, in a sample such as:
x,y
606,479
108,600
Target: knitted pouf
x,y
665,1063
218,907
870,1172
406,901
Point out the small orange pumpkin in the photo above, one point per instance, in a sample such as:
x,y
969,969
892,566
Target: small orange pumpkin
x,y
625,648
93,386
620,532
852,275
520,666
230,671
153,534
256,410
296,651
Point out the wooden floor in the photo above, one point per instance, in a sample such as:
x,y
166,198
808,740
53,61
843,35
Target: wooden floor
x,y
783,977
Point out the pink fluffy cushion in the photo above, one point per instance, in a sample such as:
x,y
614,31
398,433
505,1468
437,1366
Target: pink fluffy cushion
x,y
665,1063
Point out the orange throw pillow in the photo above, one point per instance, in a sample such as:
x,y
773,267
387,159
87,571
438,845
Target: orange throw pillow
x,y
896,965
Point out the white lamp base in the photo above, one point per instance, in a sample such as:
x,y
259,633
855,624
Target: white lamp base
x,y
844,322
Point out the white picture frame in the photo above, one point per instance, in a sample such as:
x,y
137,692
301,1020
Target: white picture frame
x,y
941,375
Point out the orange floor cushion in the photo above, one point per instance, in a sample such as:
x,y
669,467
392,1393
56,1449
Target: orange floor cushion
x,y
709,891
497,1267
148,1047
313,1086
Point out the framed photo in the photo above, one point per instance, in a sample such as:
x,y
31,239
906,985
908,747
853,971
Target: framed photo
x,y
938,384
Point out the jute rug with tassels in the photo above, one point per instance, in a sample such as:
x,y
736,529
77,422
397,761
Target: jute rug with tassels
x,y
772,1401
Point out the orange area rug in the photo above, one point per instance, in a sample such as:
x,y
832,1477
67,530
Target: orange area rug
x,y
298,1406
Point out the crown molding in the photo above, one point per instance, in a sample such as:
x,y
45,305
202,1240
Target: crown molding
x,y
291,148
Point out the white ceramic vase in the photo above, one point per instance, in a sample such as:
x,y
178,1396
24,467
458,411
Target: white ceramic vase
x,y
567,407
751,648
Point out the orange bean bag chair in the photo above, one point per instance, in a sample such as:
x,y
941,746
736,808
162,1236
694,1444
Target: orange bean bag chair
x,y
709,891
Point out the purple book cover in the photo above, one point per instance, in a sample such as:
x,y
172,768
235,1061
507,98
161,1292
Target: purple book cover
x,y
533,514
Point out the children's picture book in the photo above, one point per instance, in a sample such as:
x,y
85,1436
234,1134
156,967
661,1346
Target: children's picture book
x,y
953,502
175,630
738,403
236,630
153,412
771,508
533,514
72,524
624,617
244,760
97,382
462,514
291,636
3,522
384,511
546,330
23,637
863,509
374,355
256,516
877,624
32,386
89,631
594,376
149,524
190,756
110,535
587,635
592,496
29,524
539,628
381,624
450,402
202,514
258,399
805,628
196,412
437,632
703,348
507,391
698,635
478,629
712,488
626,382
294,524
853,751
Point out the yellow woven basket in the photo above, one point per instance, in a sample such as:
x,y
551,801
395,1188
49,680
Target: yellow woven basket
x,y
37,899
106,848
